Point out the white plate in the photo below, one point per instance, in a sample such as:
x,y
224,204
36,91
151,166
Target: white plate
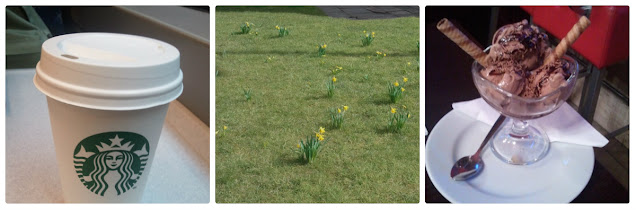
x,y
558,178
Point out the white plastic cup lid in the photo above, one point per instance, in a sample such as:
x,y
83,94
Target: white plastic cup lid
x,y
109,71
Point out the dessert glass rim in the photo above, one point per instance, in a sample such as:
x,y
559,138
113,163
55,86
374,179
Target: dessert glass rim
x,y
574,67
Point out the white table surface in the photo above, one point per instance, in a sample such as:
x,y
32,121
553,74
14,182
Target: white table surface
x,y
180,171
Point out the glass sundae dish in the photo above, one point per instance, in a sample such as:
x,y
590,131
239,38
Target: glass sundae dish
x,y
518,142
523,84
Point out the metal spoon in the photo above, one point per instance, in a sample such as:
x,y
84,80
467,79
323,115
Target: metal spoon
x,y
470,166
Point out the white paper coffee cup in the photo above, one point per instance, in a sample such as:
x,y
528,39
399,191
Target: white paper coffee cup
x,y
108,95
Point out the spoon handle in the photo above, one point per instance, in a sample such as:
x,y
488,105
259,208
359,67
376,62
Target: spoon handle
x,y
492,131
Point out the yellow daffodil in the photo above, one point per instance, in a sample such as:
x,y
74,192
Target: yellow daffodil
x,y
393,110
367,35
321,137
403,106
224,127
372,34
396,84
405,79
324,46
338,34
322,130
277,27
297,145
402,89
378,52
216,133
346,107
408,116
408,63
384,54
334,79
339,110
364,32
340,67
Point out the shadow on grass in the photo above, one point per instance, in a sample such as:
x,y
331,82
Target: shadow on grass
x,y
382,130
317,97
333,128
274,37
287,160
381,101
284,9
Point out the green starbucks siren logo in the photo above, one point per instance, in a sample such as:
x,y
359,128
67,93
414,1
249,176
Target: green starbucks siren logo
x,y
111,163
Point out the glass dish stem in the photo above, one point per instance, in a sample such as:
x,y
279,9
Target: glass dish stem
x,y
519,128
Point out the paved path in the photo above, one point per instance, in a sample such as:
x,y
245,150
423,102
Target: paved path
x,y
370,12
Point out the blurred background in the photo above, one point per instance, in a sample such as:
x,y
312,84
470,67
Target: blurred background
x,y
187,28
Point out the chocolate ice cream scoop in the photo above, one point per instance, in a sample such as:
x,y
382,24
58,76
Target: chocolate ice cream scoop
x,y
521,42
507,74
516,62
547,79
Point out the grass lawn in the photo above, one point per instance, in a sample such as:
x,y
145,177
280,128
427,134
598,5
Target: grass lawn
x,y
362,162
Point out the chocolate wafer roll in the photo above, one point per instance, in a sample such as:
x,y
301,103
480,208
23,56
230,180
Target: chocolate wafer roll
x,y
453,33
568,40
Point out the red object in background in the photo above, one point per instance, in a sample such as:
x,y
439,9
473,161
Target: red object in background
x,y
604,42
